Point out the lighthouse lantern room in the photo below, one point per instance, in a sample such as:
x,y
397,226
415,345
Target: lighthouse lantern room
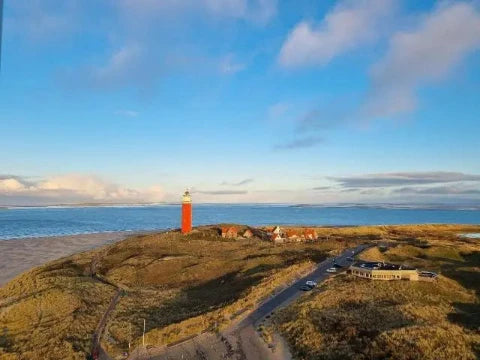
x,y
186,213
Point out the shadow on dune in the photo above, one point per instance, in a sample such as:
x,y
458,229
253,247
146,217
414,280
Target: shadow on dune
x,y
354,327
219,292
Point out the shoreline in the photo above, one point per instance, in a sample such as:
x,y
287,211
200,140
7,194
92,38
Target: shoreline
x,y
22,254
108,232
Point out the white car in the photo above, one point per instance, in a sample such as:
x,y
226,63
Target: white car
x,y
311,283
332,270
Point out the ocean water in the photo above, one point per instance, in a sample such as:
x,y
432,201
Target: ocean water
x,y
33,222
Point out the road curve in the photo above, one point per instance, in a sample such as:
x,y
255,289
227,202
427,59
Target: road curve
x,y
241,341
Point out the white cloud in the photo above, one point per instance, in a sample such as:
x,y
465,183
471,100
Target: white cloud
x,y
73,188
278,109
348,26
221,192
11,185
404,178
426,54
127,65
300,143
127,113
229,66
439,190
436,184
236,8
42,20
260,11
238,183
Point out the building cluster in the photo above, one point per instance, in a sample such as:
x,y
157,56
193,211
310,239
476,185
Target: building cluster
x,y
232,232
279,235
275,234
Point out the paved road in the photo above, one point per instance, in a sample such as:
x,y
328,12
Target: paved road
x,y
292,292
241,342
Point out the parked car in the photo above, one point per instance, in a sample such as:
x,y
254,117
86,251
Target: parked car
x,y
306,288
311,283
332,270
429,274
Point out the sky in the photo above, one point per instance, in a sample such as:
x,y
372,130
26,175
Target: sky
x,y
241,101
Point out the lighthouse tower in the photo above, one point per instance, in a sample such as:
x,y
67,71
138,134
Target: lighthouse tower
x,y
186,213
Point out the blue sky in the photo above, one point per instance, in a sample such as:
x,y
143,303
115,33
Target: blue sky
x,y
240,100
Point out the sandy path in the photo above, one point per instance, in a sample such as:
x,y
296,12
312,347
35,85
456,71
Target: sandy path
x,y
19,255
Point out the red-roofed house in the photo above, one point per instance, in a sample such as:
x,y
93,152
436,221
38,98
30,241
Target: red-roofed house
x,y
229,232
310,234
277,238
292,235
277,230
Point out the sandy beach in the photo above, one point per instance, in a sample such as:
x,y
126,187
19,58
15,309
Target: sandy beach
x,y
19,255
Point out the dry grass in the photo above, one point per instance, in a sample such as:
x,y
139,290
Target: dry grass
x,y
188,285
49,312
220,317
362,319
182,285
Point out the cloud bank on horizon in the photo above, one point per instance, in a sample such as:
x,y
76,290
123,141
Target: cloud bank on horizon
x,y
401,187
240,100
71,189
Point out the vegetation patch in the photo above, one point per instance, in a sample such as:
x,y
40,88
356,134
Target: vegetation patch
x,y
184,285
354,318
181,285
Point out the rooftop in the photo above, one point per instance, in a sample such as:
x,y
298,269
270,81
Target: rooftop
x,y
378,265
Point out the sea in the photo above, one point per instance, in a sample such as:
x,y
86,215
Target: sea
x,y
55,221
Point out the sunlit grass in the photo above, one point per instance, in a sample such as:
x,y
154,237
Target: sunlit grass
x,y
357,318
183,285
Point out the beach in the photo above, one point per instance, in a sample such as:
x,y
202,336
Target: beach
x,y
19,255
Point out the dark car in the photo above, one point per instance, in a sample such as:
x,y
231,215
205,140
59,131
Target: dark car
x,y
306,288
429,274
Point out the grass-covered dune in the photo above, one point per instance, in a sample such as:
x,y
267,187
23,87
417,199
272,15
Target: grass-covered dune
x,y
181,285
353,318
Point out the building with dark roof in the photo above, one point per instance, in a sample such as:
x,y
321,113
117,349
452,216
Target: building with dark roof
x,y
383,271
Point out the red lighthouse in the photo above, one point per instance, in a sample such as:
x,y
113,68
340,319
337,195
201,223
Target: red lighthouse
x,y
186,213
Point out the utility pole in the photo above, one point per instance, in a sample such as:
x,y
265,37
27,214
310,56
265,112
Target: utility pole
x,y
143,332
